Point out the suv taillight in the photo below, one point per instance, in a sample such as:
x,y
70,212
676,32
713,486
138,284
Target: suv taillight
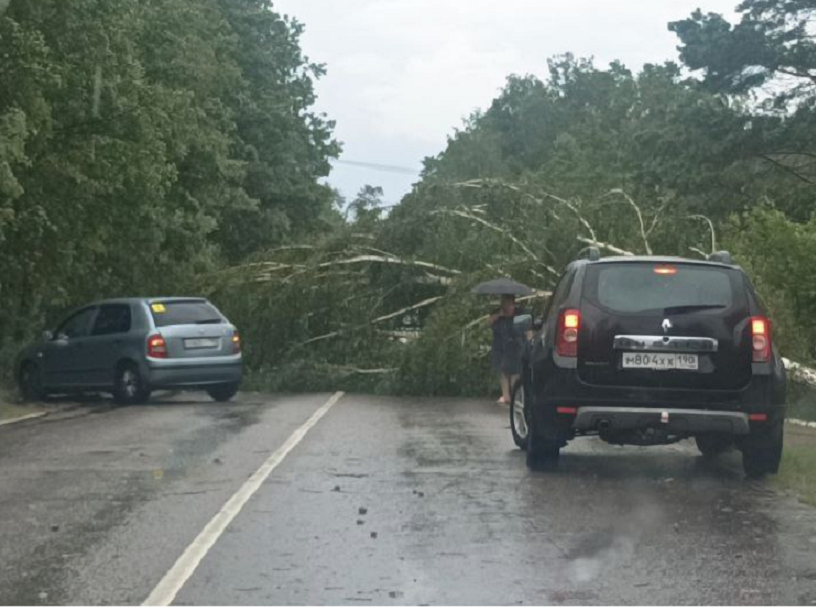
x,y
156,347
567,341
236,342
761,339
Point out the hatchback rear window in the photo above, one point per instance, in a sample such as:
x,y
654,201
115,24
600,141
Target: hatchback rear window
x,y
662,289
168,314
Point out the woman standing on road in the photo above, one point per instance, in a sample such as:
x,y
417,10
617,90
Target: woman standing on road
x,y
507,345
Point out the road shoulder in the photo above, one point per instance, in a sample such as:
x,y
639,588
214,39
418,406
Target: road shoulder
x,y
797,473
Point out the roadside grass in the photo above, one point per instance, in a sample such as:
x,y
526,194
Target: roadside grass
x,y
10,409
797,473
9,412
801,402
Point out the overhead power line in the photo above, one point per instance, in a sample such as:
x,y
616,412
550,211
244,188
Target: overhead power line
x,y
380,167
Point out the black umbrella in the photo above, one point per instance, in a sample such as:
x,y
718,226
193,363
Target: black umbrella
x,y
502,286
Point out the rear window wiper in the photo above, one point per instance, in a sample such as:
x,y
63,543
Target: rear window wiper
x,y
208,321
692,308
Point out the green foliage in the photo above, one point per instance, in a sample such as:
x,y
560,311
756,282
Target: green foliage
x,y
773,39
630,163
316,303
366,208
142,144
766,62
780,256
168,146
451,357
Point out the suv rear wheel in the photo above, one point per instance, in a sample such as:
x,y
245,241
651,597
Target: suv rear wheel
x,y
762,452
542,454
543,451
712,444
518,417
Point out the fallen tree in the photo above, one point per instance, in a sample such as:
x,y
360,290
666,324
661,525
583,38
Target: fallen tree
x,y
390,308
800,373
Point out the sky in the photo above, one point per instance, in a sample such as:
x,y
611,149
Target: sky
x,y
402,74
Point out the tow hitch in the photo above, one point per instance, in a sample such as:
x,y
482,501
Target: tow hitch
x,y
650,436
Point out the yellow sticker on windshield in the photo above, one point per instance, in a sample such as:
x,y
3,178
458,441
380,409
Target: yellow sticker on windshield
x,y
158,308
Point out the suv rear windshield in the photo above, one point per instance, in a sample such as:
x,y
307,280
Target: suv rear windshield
x,y
168,314
649,288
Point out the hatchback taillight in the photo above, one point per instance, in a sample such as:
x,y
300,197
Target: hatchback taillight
x,y
236,342
761,339
567,341
156,347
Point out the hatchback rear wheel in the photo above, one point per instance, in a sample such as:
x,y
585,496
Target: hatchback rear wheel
x,y
30,383
129,387
223,393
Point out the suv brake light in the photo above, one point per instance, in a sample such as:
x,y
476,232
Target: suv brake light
x,y
567,340
761,339
156,347
665,270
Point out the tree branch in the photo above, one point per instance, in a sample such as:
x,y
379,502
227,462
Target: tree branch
x,y
711,227
788,169
481,183
387,317
608,247
799,373
416,306
390,260
368,372
333,334
466,215
656,218
575,211
639,213
799,75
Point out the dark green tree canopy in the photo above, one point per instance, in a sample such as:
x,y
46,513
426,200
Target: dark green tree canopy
x,y
774,39
143,143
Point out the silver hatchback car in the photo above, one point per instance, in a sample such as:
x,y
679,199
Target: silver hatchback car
x,y
131,347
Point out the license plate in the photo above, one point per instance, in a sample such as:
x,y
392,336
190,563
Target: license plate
x,y
660,361
200,343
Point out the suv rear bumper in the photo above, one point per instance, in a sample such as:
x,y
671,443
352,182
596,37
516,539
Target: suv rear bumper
x,y
552,386
596,418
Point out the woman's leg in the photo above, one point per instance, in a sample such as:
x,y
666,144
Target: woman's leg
x,y
505,385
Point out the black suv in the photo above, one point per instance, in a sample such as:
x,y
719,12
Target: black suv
x,y
653,350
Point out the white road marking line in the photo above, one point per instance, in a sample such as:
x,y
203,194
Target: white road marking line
x,y
35,415
168,588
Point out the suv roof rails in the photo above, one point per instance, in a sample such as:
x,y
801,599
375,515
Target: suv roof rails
x,y
593,253
723,257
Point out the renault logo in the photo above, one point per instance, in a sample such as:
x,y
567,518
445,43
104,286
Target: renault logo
x,y
667,325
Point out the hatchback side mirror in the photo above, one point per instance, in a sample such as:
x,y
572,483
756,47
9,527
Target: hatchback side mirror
x,y
48,335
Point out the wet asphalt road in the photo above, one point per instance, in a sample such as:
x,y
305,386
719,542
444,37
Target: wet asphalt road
x,y
385,501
